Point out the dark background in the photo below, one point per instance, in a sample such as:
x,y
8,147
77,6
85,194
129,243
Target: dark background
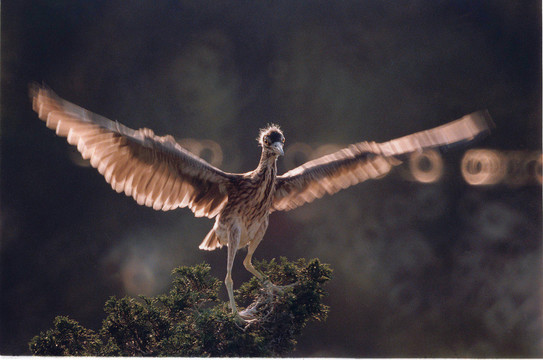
x,y
441,269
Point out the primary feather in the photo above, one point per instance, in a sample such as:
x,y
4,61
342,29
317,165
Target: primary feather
x,y
155,170
369,160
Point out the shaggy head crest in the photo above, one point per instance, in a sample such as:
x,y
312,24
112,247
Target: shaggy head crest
x,y
273,132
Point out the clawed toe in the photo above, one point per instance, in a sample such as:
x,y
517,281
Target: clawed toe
x,y
277,289
260,308
248,314
245,318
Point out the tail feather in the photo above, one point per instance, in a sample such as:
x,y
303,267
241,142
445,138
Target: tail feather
x,y
210,242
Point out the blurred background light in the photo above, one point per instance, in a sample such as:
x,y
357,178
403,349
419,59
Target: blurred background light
x,y
491,167
208,150
482,167
426,166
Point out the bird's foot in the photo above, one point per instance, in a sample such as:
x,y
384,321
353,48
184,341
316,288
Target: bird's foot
x,y
263,306
249,314
276,289
245,318
240,322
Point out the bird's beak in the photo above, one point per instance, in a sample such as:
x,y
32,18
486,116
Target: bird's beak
x,y
278,148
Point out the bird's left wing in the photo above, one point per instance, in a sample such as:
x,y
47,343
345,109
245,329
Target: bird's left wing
x,y
368,160
155,170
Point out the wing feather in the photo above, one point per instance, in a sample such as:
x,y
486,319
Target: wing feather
x,y
166,192
154,187
369,160
155,170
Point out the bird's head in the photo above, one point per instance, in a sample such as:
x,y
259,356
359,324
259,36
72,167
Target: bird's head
x,y
272,140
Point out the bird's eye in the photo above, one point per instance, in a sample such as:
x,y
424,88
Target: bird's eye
x,y
267,140
283,140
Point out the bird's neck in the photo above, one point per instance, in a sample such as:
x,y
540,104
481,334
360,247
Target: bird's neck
x,y
267,167
264,177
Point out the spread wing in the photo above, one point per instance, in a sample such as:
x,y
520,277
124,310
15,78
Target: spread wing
x,y
155,170
368,160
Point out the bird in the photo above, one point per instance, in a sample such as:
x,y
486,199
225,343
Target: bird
x,y
159,173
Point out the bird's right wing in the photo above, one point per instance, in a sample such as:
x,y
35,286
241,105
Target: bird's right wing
x,y
367,160
155,170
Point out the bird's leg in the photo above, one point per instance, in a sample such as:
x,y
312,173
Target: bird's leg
x,y
251,311
233,243
260,308
247,262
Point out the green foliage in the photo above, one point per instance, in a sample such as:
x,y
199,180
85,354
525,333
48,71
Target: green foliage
x,y
191,321
66,338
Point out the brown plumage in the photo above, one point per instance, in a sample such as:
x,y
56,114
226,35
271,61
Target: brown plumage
x,y
157,172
